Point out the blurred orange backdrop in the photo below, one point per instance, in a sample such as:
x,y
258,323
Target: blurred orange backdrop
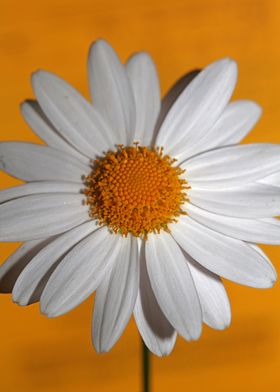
x,y
40,354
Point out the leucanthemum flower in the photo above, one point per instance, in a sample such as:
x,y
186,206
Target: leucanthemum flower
x,y
147,209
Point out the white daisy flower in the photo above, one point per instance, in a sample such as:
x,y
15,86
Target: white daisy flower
x,y
148,210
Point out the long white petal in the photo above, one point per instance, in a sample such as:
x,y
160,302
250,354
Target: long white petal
x,y
197,108
111,91
212,295
115,297
74,118
14,265
251,201
32,188
156,331
233,165
273,179
34,162
37,120
143,77
80,272
259,251
173,285
236,121
225,256
35,275
264,231
40,216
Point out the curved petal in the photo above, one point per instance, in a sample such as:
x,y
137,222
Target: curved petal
x,y
198,108
144,81
225,256
236,121
14,265
36,119
172,95
35,275
32,188
156,331
264,231
172,285
233,165
80,272
74,118
115,297
212,295
34,162
111,91
251,201
40,216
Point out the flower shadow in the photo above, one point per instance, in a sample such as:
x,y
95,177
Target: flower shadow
x,y
251,340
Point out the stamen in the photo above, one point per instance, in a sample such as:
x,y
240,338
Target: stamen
x,y
136,190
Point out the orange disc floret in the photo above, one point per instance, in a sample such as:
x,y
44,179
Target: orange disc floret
x,y
135,190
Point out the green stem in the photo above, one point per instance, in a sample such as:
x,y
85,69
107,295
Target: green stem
x,y
146,368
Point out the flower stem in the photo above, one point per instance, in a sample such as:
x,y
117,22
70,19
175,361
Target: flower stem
x,y
145,368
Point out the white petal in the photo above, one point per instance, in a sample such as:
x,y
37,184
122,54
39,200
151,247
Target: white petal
x,y
273,179
233,165
212,295
259,250
173,93
115,297
36,119
251,201
34,162
225,256
40,216
35,275
74,118
143,77
156,331
32,188
265,231
172,284
80,272
111,91
236,121
198,108
12,267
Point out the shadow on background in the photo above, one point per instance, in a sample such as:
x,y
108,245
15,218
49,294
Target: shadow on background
x,y
44,363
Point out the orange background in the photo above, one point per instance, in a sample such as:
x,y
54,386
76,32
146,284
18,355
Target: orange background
x,y
40,354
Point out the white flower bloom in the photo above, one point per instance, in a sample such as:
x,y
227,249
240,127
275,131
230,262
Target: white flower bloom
x,y
151,235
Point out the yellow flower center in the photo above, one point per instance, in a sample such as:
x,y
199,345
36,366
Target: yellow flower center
x,y
135,190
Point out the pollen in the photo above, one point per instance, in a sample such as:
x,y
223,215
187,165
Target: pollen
x,y
136,190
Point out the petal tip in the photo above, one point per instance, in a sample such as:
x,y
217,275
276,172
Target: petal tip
x,y
20,299
228,65
39,76
271,282
36,74
195,333
254,108
98,44
224,324
23,105
47,312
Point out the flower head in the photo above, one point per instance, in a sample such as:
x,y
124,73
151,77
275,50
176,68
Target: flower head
x,y
136,190
148,208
